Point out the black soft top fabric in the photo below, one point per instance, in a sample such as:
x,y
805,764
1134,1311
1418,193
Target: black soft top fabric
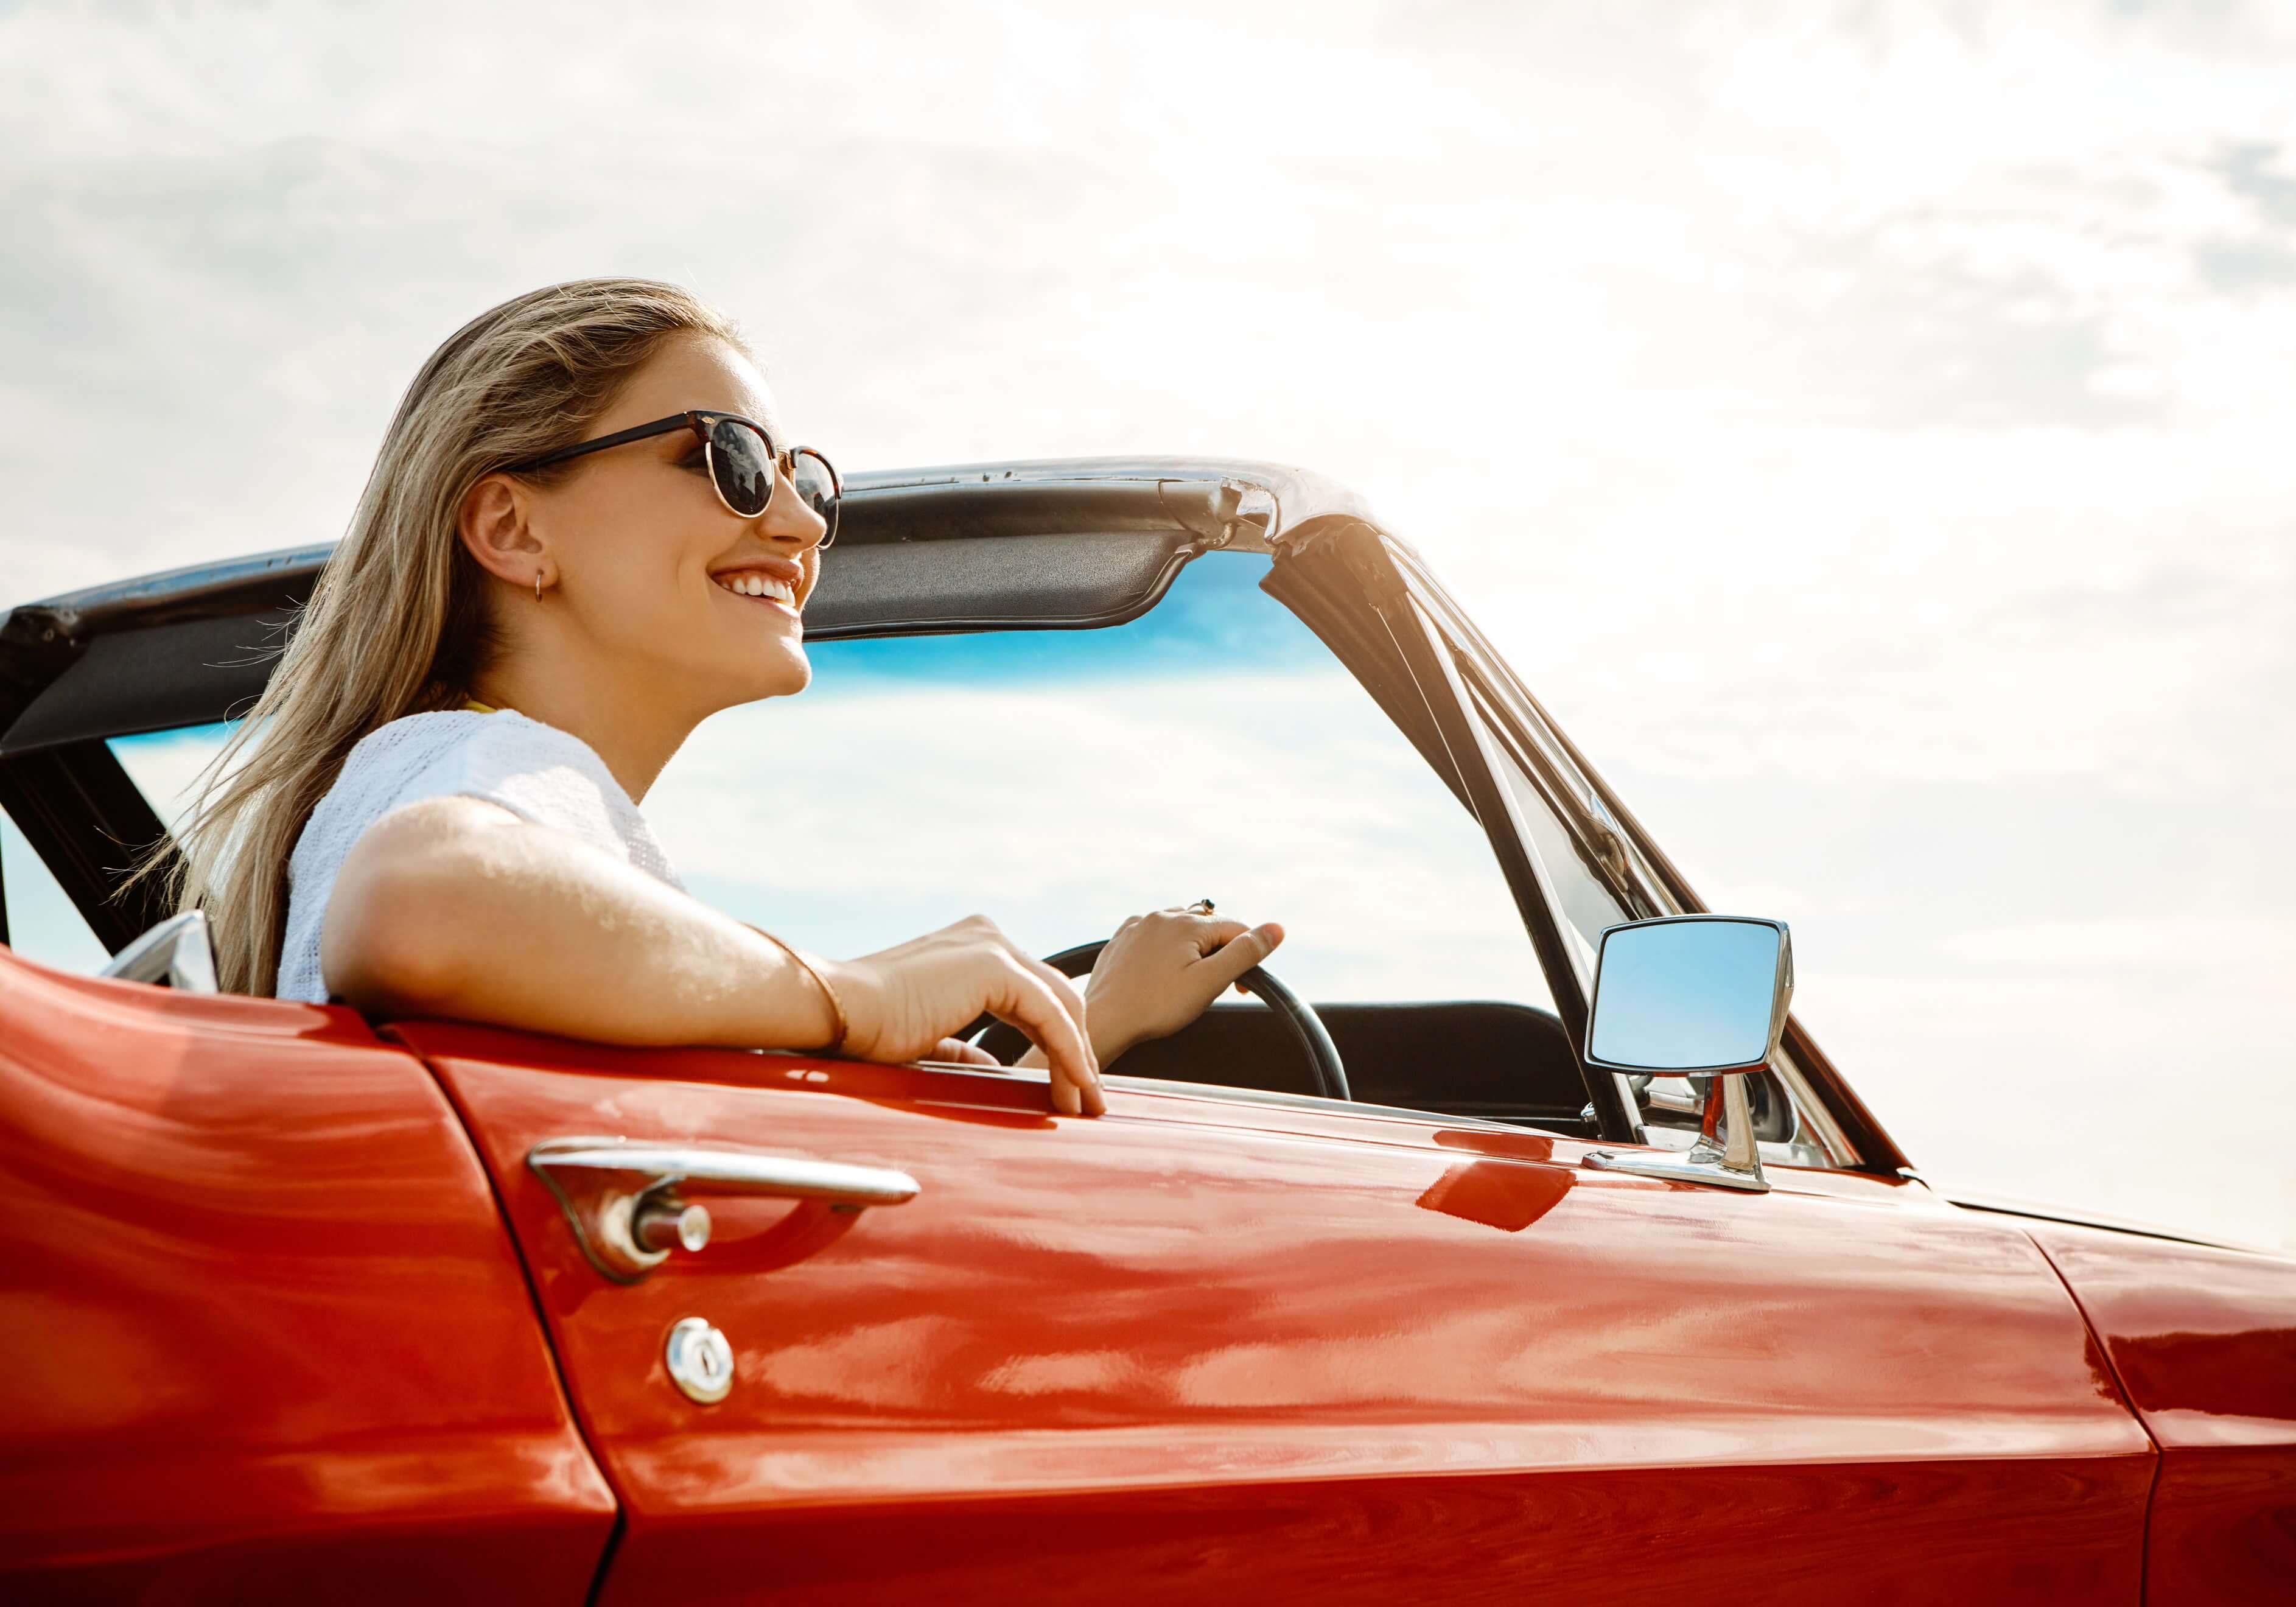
x,y
191,670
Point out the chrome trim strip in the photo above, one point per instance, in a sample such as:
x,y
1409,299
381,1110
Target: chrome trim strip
x,y
175,952
2033,1210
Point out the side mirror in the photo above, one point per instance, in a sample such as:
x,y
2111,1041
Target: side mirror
x,y
1694,996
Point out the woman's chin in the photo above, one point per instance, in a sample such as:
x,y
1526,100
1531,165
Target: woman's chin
x,y
784,671
748,673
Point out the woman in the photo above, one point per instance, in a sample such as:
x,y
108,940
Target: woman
x,y
585,533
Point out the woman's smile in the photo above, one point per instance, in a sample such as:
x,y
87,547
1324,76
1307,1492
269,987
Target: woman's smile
x,y
772,581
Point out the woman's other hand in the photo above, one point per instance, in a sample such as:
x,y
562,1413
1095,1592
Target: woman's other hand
x,y
1161,970
901,1004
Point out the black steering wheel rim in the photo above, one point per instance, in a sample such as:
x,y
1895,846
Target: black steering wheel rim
x,y
1307,1027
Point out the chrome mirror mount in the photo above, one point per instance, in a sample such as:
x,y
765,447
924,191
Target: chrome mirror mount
x,y
1702,995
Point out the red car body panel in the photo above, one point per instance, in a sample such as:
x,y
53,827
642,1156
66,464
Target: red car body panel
x,y
2204,1341
284,1316
266,1337
1204,1348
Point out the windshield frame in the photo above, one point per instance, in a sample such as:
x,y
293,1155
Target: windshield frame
x,y
1613,846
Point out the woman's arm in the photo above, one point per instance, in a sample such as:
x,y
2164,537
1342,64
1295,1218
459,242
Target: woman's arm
x,y
454,907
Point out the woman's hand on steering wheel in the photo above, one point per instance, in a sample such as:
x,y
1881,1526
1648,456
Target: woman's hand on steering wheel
x,y
903,1002
1162,969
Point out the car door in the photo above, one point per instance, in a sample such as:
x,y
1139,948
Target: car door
x,y
263,1336
1226,1346
2203,1339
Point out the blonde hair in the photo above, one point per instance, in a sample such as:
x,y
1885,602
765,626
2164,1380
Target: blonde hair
x,y
397,623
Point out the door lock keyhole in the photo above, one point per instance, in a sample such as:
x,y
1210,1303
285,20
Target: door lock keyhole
x,y
701,1360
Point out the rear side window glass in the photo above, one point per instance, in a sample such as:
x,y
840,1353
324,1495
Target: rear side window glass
x,y
43,924
165,765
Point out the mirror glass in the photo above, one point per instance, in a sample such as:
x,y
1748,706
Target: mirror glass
x,y
1680,995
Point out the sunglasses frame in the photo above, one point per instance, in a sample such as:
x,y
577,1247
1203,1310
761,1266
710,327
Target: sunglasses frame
x,y
702,421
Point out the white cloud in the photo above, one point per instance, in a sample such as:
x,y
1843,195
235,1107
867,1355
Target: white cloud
x,y
2246,953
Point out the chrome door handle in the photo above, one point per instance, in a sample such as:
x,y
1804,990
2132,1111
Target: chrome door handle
x,y
624,1200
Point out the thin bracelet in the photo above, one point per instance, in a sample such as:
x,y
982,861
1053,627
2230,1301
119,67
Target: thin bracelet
x,y
836,1004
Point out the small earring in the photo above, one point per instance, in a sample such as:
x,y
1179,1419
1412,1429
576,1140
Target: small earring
x,y
538,586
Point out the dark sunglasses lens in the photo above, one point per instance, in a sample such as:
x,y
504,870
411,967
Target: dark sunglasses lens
x,y
817,486
743,466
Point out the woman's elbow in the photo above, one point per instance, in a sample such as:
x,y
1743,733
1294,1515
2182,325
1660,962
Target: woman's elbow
x,y
393,937
385,947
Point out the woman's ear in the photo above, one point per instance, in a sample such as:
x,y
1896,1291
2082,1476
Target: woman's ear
x,y
496,530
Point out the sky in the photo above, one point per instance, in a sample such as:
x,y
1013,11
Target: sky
x,y
1864,425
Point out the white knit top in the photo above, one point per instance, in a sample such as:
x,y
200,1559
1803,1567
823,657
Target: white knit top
x,y
538,772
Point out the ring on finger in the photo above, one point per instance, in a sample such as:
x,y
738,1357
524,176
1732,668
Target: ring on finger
x,y
1202,906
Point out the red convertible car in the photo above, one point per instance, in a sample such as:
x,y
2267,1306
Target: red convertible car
x,y
1543,1257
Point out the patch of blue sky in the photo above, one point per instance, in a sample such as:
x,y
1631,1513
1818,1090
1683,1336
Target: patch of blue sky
x,y
43,924
165,765
1213,620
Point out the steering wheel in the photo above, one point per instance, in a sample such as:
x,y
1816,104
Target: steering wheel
x,y
1008,1043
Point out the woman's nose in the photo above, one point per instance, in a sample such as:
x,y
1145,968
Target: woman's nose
x,y
788,517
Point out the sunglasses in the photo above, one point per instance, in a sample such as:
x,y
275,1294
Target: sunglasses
x,y
741,457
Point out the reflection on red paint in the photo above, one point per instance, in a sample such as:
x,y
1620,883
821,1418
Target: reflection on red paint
x,y
257,1287
1497,1194
759,1236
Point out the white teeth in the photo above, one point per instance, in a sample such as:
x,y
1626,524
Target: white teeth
x,y
751,584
